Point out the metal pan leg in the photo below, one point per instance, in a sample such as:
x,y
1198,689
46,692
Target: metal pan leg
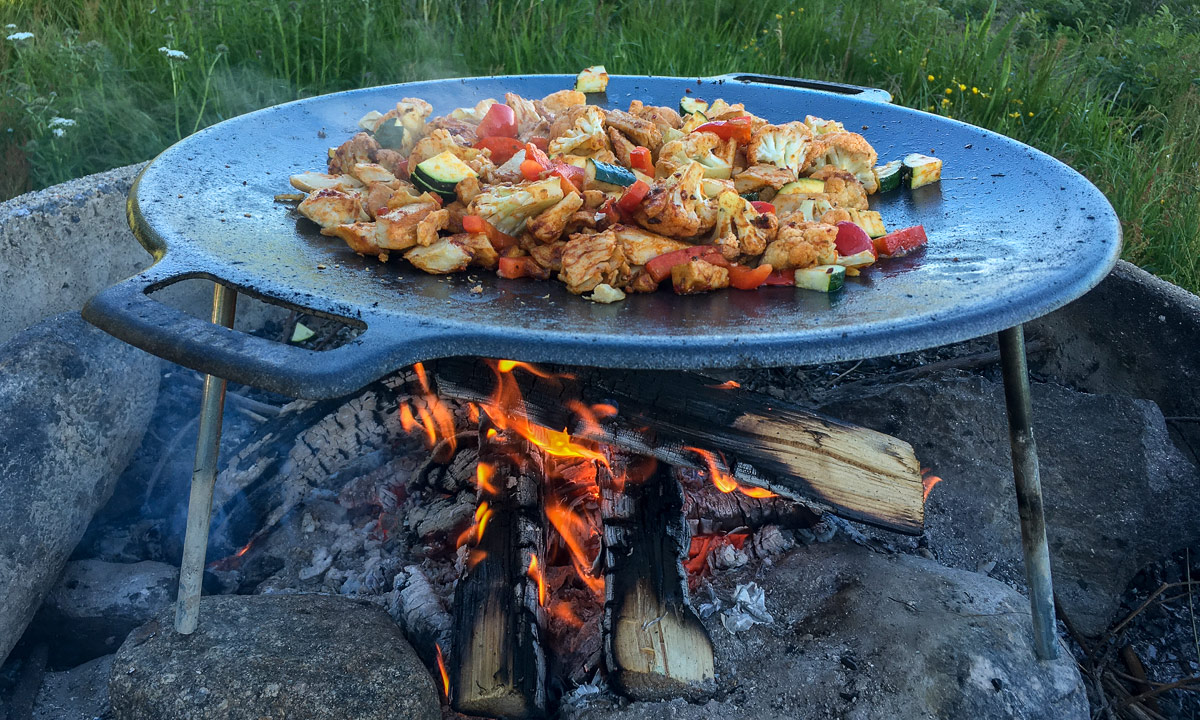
x,y
1029,491
204,475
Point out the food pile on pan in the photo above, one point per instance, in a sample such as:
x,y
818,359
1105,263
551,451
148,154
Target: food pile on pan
x,y
610,202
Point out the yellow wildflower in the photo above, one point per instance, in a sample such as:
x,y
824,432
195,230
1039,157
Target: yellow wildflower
x,y
778,16
962,88
929,78
945,101
975,90
1030,113
948,91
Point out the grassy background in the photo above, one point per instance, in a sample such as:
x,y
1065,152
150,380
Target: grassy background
x,y
1112,87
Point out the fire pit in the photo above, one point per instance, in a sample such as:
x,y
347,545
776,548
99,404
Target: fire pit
x,y
987,270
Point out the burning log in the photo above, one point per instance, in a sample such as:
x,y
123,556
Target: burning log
x,y
499,665
830,465
655,646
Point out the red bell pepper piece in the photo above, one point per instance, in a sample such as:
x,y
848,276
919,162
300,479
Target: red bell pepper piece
x,y
500,241
533,152
737,128
519,267
900,242
780,277
632,197
573,177
503,148
639,159
541,143
851,239
762,207
532,169
744,278
610,210
659,268
500,120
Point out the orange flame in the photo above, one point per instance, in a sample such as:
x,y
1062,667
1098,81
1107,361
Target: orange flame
x,y
475,557
474,534
727,385
483,478
427,413
535,573
564,613
245,549
575,532
441,661
725,481
928,481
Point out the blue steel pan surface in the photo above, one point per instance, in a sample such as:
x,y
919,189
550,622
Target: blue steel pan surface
x,y
1014,234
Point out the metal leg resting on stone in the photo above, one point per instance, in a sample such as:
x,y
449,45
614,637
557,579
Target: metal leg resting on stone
x,y
1029,491
204,475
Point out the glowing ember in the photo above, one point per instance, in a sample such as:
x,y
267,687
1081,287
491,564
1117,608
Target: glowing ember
x,y
727,385
244,550
475,557
441,661
725,481
535,574
928,481
428,414
564,613
483,478
575,532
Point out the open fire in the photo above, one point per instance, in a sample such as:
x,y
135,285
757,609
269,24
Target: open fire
x,y
591,523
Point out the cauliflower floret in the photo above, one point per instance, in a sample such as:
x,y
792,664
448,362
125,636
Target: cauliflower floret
x,y
847,151
558,102
757,177
642,132
472,115
580,130
804,207
529,121
676,207
697,276
453,254
842,189
547,226
641,246
715,154
740,229
820,126
801,245
331,206
589,260
440,141
784,146
509,207
359,149
605,293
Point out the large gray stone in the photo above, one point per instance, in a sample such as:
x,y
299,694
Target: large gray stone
x,y
80,693
1118,494
862,636
74,403
268,657
96,604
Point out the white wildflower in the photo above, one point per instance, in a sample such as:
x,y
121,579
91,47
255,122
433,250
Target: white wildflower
x,y
61,122
18,37
173,54
10,26
59,132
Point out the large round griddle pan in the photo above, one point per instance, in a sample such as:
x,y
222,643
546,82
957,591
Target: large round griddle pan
x,y
1014,234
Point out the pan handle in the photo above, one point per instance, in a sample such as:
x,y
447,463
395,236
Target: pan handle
x,y
865,93
128,312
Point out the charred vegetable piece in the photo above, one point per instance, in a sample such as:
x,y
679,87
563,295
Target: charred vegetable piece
x,y
440,174
803,186
660,267
592,80
633,197
744,278
639,158
688,105
852,240
889,174
784,278
738,129
822,278
521,267
900,242
922,169
502,148
869,220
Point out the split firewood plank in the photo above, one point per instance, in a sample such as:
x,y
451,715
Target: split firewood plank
x,y
833,466
498,666
655,646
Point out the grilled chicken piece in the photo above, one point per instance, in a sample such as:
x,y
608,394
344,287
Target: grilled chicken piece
x,y
310,181
642,132
398,226
662,117
802,244
359,149
641,246
427,228
378,196
842,189
548,226
372,172
621,146
467,189
676,205
331,207
529,121
453,254
641,282
757,177
588,260
462,131
549,256
392,161
561,101
593,199
582,221
360,236
697,276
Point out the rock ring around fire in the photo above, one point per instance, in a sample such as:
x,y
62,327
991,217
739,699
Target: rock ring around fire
x,y
273,656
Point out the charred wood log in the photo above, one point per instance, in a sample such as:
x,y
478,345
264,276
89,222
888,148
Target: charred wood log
x,y
854,472
655,646
418,609
498,666
709,511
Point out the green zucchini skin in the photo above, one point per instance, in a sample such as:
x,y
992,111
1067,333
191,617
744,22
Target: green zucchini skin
x,y
889,175
441,174
608,177
688,105
922,170
822,278
803,186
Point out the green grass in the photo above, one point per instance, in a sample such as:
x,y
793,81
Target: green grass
x,y
1112,88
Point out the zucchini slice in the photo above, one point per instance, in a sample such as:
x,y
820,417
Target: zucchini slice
x,y
888,175
923,170
607,176
391,134
592,80
689,105
803,186
440,174
751,196
822,278
870,221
